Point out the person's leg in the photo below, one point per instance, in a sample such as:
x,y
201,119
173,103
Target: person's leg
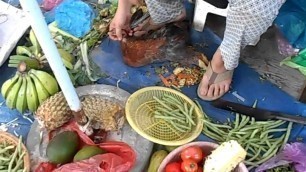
x,y
161,13
247,20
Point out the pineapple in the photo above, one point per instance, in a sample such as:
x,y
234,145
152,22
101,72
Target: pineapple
x,y
225,158
101,112
54,112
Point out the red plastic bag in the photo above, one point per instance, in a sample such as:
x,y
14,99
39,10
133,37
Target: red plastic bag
x,y
120,157
45,167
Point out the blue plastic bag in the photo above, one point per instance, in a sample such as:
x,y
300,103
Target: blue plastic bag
x,y
75,17
292,22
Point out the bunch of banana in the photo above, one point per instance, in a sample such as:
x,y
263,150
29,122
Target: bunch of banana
x,y
33,55
27,90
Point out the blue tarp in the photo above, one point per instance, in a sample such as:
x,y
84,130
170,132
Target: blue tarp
x,y
246,82
292,22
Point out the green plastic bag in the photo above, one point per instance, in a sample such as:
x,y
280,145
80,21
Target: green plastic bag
x,y
296,62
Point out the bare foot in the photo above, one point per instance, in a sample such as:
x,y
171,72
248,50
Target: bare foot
x,y
218,88
149,25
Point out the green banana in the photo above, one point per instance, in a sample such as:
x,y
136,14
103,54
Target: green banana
x,y
47,80
32,97
13,94
8,84
19,57
65,55
21,102
35,43
42,93
23,50
31,62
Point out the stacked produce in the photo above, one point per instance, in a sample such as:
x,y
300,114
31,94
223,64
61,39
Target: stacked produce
x,y
191,160
12,156
69,148
63,148
199,158
258,138
28,89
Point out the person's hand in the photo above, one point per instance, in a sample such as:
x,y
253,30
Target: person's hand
x,y
120,26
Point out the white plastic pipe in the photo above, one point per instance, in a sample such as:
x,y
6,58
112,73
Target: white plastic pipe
x,y
47,44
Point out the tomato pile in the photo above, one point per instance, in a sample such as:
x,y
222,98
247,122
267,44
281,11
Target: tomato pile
x,y
191,160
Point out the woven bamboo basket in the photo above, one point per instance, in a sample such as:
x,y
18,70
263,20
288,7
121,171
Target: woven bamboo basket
x,y
12,140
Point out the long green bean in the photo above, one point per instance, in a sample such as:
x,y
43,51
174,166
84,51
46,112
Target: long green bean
x,y
178,114
11,157
162,103
289,128
257,137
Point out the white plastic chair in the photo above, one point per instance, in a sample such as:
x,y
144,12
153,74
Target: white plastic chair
x,y
202,8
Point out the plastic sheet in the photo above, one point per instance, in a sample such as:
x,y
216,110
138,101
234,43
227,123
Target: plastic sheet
x,y
75,17
284,47
292,22
297,62
294,153
246,81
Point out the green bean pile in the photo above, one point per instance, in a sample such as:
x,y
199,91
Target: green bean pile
x,y
179,115
256,137
11,157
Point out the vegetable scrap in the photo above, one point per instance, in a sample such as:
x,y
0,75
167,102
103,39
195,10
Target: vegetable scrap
x,y
183,76
12,123
256,137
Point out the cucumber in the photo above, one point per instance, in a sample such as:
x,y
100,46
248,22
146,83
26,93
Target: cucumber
x,y
156,160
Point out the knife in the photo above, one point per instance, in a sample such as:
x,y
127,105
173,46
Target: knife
x,y
135,23
258,114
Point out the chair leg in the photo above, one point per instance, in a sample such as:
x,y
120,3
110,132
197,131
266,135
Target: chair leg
x,y
202,8
200,15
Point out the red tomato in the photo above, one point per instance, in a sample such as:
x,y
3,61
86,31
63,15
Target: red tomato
x,y
200,169
189,166
194,152
173,167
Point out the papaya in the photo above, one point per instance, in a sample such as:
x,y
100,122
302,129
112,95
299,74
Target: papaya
x,y
62,147
87,152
